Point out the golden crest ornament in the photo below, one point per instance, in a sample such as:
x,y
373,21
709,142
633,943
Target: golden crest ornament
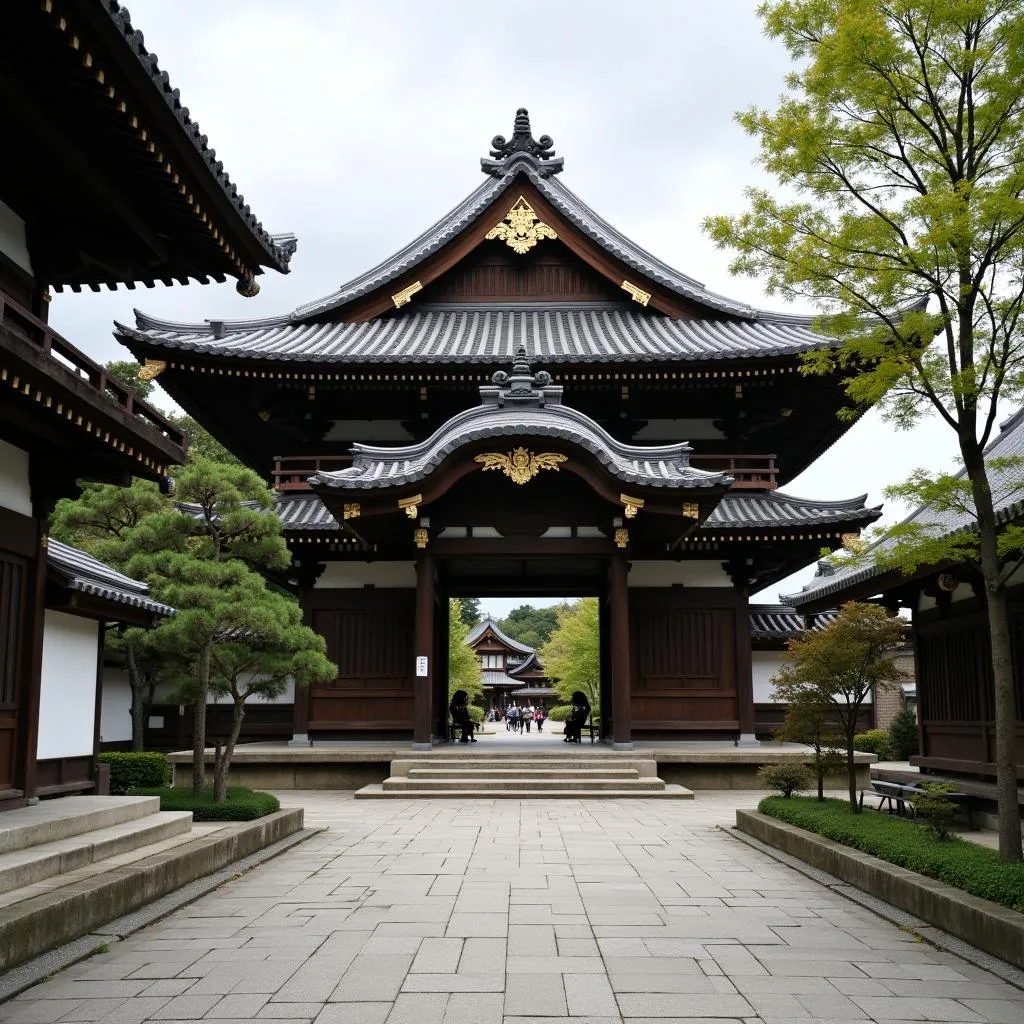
x,y
521,465
521,229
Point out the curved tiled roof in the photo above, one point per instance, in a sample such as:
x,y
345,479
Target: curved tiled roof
x,y
782,621
1007,488
487,334
740,510
506,412
279,248
735,510
487,623
80,571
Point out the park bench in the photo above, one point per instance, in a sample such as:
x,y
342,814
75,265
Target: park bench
x,y
897,797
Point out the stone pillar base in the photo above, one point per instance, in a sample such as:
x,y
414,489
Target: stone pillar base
x,y
623,746
423,746
300,739
748,739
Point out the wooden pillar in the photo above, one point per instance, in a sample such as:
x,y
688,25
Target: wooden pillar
x,y
744,670
618,596
423,681
307,573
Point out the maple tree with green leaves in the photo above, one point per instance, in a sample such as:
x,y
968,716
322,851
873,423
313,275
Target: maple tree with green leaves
x,y
898,148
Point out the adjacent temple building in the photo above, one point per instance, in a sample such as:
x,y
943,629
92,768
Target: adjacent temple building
x,y
522,401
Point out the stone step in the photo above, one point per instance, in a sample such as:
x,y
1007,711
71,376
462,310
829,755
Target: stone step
x,y
642,767
29,866
53,820
376,791
520,772
540,785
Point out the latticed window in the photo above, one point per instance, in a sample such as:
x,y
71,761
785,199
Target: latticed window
x,y
490,660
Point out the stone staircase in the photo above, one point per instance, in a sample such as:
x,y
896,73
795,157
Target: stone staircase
x,y
501,776
69,866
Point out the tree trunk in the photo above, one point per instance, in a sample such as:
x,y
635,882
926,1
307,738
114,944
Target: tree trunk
x,y
220,782
851,772
819,770
1002,661
199,724
137,685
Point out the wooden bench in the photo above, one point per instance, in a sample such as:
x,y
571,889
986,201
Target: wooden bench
x,y
899,798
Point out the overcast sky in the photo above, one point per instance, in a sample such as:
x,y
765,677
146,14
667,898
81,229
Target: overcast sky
x,y
356,125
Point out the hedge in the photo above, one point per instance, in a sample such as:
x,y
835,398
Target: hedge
x,y
958,862
129,770
241,805
874,741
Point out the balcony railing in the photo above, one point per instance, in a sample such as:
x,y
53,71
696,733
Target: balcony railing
x,y
21,322
751,472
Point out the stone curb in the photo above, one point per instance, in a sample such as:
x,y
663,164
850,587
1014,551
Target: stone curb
x,y
984,924
36,925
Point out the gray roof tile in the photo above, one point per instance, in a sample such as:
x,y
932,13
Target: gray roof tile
x,y
487,623
485,335
1006,483
782,621
740,510
80,571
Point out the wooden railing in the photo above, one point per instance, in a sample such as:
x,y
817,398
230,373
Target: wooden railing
x,y
30,328
751,472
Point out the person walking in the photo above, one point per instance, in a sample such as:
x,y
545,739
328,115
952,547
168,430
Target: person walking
x,y
508,717
538,717
528,716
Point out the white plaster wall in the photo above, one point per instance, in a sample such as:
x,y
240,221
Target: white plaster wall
x,y
15,491
764,665
352,575
67,701
287,697
689,574
12,238
115,706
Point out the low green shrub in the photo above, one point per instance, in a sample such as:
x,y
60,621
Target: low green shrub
x,y
241,805
958,862
935,811
477,714
560,712
903,735
787,777
130,770
874,741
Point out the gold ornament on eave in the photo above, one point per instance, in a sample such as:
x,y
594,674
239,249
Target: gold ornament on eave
x,y
521,230
520,465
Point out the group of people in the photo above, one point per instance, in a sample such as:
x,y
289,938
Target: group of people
x,y
518,719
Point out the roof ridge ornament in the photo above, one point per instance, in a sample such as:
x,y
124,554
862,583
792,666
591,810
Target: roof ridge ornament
x,y
522,386
522,146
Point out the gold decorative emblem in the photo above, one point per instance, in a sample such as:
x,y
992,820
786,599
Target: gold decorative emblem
x,y
351,511
621,537
633,505
152,369
636,294
406,294
852,542
421,536
691,510
520,465
411,505
521,230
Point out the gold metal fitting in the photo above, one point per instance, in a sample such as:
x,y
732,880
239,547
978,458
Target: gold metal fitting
x,y
691,510
406,294
421,536
632,505
636,293
621,537
411,505
351,511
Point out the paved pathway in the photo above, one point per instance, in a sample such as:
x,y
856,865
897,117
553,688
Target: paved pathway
x,y
448,912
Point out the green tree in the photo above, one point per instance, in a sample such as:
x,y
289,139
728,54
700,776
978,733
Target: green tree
x,y
257,660
469,610
899,147
201,443
903,734
839,668
127,372
101,521
809,720
572,656
463,664
199,558
529,625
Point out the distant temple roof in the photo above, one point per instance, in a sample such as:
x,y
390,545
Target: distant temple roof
x,y
488,623
834,581
782,621
80,571
515,407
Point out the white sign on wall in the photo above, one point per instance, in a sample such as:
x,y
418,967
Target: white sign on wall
x,y
422,666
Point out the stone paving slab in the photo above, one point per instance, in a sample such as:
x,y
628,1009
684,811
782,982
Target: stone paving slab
x,y
502,912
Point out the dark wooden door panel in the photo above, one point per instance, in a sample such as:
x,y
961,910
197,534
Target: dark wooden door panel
x,y
13,612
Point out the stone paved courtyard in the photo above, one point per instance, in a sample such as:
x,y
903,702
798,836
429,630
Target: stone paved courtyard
x,y
508,912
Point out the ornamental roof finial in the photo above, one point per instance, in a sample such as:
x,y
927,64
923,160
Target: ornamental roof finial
x,y
522,385
524,147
